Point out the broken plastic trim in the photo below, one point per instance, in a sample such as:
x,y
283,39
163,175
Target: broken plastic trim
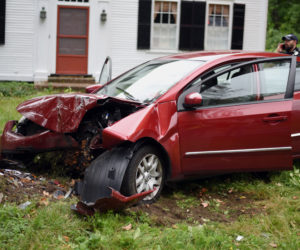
x,y
115,202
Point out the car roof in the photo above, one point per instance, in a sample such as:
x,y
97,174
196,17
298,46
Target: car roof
x,y
207,56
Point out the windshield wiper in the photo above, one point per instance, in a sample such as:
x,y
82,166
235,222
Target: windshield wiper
x,y
127,94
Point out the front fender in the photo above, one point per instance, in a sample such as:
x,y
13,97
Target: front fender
x,y
106,171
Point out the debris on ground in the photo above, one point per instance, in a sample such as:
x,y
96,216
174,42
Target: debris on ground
x,y
20,187
24,205
115,202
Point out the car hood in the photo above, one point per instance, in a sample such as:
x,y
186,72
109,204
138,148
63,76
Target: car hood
x,y
61,113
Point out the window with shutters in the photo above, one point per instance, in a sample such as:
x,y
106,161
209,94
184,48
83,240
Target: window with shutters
x,y
190,25
164,25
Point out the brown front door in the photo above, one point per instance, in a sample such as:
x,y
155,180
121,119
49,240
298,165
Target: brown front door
x,y
72,40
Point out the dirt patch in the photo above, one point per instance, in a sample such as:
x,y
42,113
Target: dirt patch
x,y
201,207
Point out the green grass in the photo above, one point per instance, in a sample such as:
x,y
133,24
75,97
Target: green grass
x,y
56,227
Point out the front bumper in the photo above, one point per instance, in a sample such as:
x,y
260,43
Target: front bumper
x,y
15,143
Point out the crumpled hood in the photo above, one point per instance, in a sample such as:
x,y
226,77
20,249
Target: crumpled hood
x,y
61,113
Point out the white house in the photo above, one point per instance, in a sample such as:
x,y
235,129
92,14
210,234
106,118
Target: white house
x,y
43,37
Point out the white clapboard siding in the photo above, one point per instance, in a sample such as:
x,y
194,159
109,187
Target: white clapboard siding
x,y
16,55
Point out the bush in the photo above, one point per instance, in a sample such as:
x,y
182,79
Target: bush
x,y
16,89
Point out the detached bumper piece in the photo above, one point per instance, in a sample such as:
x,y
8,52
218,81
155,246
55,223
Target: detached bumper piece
x,y
115,202
12,142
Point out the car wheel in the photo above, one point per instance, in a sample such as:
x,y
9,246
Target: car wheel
x,y
145,172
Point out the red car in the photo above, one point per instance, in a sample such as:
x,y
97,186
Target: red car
x,y
172,118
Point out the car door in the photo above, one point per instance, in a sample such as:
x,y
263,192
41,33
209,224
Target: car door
x,y
244,121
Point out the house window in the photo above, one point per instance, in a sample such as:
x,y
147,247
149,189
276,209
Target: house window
x,y
189,25
217,35
164,25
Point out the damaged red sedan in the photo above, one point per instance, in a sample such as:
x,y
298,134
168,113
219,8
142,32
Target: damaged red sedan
x,y
176,117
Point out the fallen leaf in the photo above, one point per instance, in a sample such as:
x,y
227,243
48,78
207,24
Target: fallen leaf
x,y
128,227
273,245
204,190
205,204
66,238
44,201
175,226
243,197
1,197
295,198
219,201
73,182
45,193
298,234
278,184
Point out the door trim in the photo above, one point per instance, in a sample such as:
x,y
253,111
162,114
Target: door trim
x,y
233,151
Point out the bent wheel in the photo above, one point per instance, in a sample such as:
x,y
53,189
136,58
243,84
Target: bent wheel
x,y
145,172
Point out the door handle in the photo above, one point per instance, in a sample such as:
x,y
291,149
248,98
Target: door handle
x,y
277,118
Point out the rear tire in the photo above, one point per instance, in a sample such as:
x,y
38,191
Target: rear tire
x,y
145,172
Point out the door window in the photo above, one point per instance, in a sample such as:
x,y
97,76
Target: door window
x,y
235,86
273,79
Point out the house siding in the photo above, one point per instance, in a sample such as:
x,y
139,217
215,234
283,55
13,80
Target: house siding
x,y
17,54
29,52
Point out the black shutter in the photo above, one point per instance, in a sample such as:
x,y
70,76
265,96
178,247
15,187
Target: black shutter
x,y
238,26
144,24
192,25
2,21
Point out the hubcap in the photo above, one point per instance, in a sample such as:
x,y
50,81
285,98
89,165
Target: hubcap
x,y
149,175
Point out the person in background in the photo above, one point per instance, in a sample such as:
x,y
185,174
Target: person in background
x,y
289,46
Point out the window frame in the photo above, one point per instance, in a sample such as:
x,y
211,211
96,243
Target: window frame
x,y
196,88
230,24
177,28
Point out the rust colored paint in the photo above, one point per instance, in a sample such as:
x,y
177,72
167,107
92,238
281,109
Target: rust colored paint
x,y
72,64
60,113
116,202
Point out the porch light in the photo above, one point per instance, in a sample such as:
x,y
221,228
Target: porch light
x,y
43,13
103,16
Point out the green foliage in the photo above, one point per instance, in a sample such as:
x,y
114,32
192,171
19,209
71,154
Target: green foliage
x,y
16,89
295,178
283,19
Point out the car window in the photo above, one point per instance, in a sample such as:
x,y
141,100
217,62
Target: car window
x,y
234,86
273,79
148,81
297,81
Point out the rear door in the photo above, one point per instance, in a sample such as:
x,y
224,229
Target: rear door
x,y
244,123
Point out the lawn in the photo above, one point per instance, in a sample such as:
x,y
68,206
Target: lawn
x,y
238,211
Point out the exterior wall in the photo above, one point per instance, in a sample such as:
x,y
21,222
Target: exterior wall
x,y
125,14
17,54
29,52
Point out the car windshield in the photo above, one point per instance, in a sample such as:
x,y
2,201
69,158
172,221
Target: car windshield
x,y
148,81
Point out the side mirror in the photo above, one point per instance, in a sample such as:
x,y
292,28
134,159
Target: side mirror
x,y
92,88
193,100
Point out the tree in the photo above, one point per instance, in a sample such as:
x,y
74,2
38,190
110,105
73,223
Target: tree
x,y
283,18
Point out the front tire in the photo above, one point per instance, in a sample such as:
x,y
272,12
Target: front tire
x,y
145,172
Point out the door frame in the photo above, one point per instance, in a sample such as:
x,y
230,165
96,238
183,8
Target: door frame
x,y
58,36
